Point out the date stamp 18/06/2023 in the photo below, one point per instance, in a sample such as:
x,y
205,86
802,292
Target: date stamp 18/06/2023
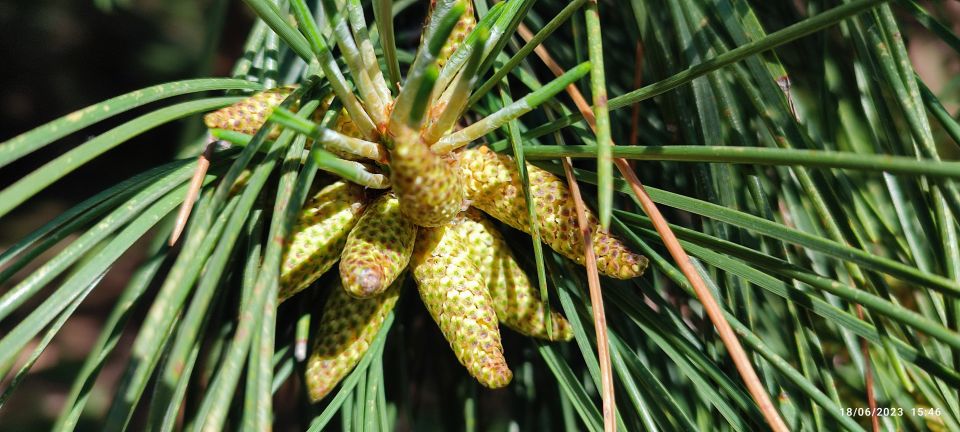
x,y
890,412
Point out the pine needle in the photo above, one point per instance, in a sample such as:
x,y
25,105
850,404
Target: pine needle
x,y
710,305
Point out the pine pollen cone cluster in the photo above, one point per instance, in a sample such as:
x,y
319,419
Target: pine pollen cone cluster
x,y
434,218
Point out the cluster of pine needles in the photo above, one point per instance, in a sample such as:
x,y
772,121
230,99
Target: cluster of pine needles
x,y
427,217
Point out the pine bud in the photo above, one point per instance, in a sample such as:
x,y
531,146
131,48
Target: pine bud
x,y
492,183
319,235
453,291
515,300
378,248
347,328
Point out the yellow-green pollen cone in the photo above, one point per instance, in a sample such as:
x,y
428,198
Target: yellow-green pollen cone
x,y
492,184
347,328
427,184
318,237
515,299
248,115
467,276
454,292
378,248
464,26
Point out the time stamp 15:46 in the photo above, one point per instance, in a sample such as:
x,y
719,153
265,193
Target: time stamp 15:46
x,y
890,412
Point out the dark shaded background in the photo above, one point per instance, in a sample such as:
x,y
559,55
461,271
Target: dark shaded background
x,y
63,55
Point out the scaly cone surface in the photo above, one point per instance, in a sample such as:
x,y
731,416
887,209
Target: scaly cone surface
x,y
464,26
248,115
347,327
318,237
453,291
515,300
492,183
426,183
378,248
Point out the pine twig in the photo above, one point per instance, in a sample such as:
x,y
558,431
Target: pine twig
x,y
868,377
183,214
596,301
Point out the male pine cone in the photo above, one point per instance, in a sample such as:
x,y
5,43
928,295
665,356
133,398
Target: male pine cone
x,y
515,300
464,26
492,183
318,237
347,328
454,293
248,115
378,248
426,183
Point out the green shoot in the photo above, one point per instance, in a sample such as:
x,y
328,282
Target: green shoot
x,y
423,96
358,24
349,170
463,53
598,88
331,71
383,14
371,96
454,99
329,138
426,57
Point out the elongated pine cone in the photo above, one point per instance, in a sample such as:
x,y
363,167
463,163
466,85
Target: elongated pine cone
x,y
319,235
515,300
347,328
426,183
378,248
248,115
453,291
492,183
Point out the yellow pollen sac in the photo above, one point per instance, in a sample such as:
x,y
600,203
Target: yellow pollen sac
x,y
492,183
515,300
319,235
347,328
378,248
453,291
